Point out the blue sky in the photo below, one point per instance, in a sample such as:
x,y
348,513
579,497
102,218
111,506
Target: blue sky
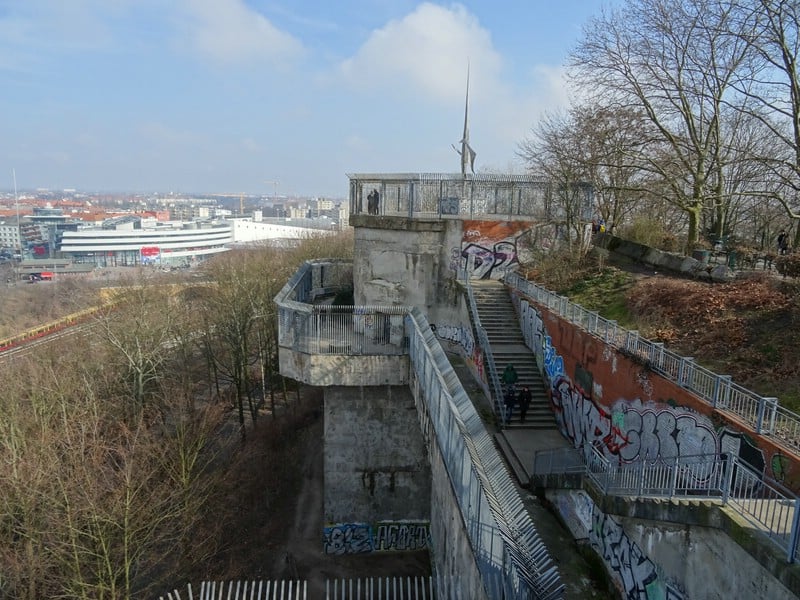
x,y
229,96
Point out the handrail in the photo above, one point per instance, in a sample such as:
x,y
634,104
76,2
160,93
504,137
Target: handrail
x,y
458,196
483,339
512,559
771,507
762,414
490,504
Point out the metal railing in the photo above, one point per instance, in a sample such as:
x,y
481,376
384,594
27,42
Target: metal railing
x,y
512,560
471,196
372,588
344,330
498,404
766,504
334,329
762,414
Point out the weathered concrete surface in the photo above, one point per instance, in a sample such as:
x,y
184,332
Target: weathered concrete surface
x,y
329,369
451,550
397,261
709,515
684,548
677,263
376,467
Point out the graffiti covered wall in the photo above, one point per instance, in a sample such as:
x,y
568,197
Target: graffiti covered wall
x,y
489,249
607,400
461,337
385,536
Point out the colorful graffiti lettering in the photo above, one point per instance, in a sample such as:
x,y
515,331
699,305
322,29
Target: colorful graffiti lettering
x,y
489,249
553,362
637,574
401,536
779,464
457,334
631,431
360,538
348,538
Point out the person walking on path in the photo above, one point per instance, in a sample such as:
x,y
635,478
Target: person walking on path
x,y
783,242
509,378
510,400
524,403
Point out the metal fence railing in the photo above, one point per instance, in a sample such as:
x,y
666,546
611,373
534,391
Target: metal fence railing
x,y
762,414
368,588
766,504
512,560
471,196
335,329
498,405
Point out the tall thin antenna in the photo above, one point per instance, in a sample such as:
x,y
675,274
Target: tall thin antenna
x,y
466,152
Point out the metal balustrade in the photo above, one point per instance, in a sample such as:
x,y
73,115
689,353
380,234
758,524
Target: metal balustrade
x,y
371,588
769,506
511,558
503,537
471,196
763,414
498,404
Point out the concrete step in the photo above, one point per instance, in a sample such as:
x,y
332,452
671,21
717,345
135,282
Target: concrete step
x,y
499,319
516,466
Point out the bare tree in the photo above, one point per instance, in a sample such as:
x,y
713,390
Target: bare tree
x,y
140,329
673,61
604,143
772,30
554,150
92,506
235,310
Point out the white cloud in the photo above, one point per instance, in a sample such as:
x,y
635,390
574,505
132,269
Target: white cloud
x,y
250,145
429,50
423,56
230,32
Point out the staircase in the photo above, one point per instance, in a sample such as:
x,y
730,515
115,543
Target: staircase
x,y
500,321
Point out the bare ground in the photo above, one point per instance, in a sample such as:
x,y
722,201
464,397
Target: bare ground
x,y
269,522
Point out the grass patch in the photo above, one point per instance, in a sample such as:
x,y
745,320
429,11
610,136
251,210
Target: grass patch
x,y
605,292
747,329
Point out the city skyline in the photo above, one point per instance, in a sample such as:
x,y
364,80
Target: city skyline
x,y
258,97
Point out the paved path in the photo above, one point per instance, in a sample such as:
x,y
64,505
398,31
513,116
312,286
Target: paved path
x,y
575,572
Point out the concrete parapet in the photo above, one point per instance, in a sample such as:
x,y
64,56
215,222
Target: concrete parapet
x,y
334,369
397,223
689,513
678,548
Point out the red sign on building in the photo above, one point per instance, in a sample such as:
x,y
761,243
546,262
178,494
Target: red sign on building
x,y
150,251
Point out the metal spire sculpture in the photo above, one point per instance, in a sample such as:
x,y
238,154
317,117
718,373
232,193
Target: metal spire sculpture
x,y
466,152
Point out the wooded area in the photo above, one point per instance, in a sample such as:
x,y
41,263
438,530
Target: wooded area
x,y
686,119
114,441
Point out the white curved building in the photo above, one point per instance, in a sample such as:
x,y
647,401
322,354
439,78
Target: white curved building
x,y
129,243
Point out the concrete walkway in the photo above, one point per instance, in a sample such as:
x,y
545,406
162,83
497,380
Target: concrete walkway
x,y
518,448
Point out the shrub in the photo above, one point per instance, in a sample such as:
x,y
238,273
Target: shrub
x,y
650,232
788,265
